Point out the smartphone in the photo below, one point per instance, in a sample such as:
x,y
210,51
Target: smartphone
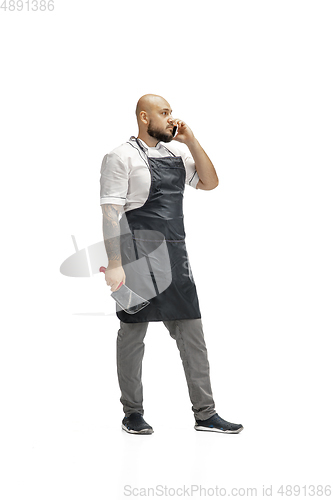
x,y
174,131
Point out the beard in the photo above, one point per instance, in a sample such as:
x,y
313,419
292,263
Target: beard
x,y
159,134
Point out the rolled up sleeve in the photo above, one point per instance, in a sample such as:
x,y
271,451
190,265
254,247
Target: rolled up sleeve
x,y
114,180
192,177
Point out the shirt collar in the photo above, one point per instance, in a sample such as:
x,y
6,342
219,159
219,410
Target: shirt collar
x,y
145,146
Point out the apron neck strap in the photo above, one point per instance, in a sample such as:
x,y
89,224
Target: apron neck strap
x,y
141,147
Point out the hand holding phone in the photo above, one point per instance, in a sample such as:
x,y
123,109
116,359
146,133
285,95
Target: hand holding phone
x,y
181,131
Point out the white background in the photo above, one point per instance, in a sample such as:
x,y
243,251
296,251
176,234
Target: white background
x,y
253,79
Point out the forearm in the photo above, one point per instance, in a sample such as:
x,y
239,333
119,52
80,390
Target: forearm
x,y
204,167
111,233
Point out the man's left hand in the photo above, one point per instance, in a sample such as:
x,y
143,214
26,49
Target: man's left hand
x,y
184,133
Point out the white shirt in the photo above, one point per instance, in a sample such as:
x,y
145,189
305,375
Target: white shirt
x,y
125,175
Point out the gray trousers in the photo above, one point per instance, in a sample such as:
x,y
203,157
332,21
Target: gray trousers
x,y
189,337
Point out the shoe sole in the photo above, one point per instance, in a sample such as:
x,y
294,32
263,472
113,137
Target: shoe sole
x,y
131,431
214,429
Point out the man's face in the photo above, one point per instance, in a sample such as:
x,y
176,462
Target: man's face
x,y
160,124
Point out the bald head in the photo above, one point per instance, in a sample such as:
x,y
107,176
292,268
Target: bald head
x,y
149,103
154,117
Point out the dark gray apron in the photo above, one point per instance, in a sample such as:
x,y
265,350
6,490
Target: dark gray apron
x,y
160,218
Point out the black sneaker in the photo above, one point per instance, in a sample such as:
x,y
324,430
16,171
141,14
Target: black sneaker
x,y
217,424
135,424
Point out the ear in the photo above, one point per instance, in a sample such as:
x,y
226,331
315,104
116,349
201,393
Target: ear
x,y
144,117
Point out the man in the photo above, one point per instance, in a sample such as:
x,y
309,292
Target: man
x,y
144,179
